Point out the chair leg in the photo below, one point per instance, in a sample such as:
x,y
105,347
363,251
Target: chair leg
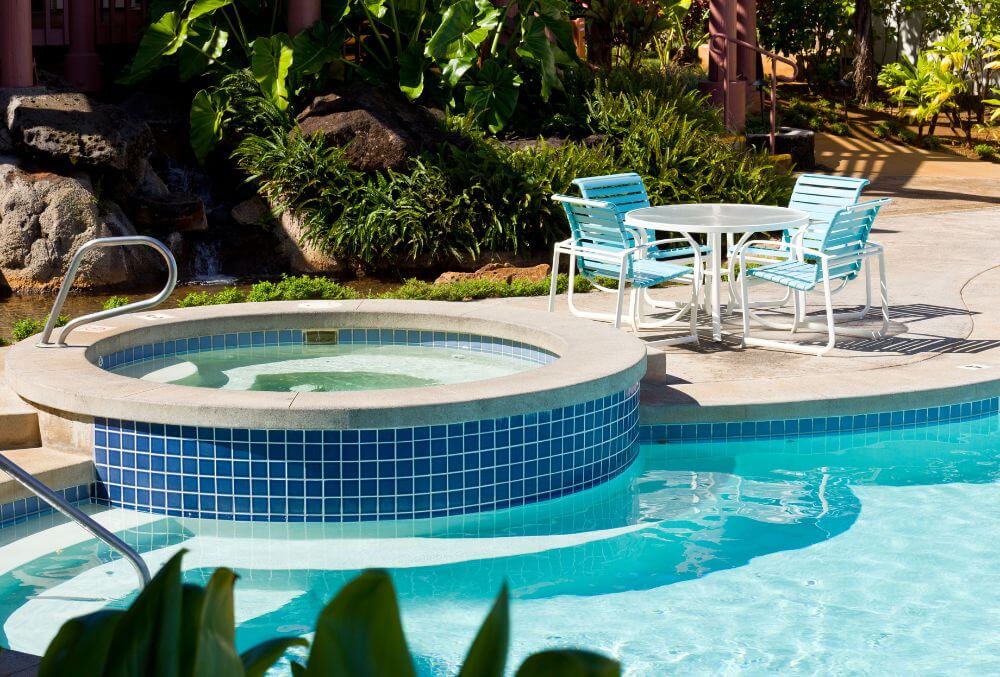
x,y
830,326
571,284
884,293
635,309
620,301
554,283
745,305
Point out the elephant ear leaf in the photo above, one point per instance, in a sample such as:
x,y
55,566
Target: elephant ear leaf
x,y
493,97
270,61
163,38
81,645
569,663
193,63
411,71
314,48
359,632
207,113
488,653
535,45
457,20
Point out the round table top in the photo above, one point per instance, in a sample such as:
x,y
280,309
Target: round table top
x,y
716,218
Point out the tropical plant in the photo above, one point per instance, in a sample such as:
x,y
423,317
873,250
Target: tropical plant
x,y
924,89
985,151
174,628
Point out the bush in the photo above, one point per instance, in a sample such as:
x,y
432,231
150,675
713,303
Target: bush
x,y
201,298
29,326
882,130
185,630
301,288
471,290
113,302
907,135
839,129
985,151
931,142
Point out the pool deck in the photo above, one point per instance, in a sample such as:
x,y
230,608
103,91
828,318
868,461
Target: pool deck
x,y
943,262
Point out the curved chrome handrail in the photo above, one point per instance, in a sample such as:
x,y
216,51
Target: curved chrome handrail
x,y
43,492
74,266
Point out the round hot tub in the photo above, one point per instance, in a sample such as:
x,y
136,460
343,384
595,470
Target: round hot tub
x,y
338,410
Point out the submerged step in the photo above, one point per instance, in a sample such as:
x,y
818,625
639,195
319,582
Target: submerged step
x,y
57,469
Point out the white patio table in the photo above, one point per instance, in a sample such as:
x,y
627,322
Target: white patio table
x,y
714,221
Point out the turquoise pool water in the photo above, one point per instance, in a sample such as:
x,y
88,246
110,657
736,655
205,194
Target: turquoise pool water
x,y
325,368
840,554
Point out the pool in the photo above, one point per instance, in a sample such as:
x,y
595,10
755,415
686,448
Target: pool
x,y
839,553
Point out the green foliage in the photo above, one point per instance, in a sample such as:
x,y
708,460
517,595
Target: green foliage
x,y
184,630
985,151
882,130
819,115
300,288
202,298
839,129
29,326
114,302
906,135
931,142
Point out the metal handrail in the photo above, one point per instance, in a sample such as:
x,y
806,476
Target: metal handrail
x,y
43,492
74,266
724,67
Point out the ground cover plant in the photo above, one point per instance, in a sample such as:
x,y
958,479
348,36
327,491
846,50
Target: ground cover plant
x,y
178,629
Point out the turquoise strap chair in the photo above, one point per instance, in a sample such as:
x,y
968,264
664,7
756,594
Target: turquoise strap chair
x,y
602,247
827,256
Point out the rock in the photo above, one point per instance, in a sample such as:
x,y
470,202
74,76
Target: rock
x,y
252,212
499,272
799,143
380,130
6,143
151,184
302,256
45,217
591,141
73,131
168,213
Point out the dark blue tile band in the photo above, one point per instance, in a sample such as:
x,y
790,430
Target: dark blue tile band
x,y
21,509
371,474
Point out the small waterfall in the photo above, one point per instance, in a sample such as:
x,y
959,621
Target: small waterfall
x,y
205,265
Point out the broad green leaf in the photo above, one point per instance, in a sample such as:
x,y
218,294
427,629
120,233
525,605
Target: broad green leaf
x,y
494,96
202,7
258,660
270,62
146,642
411,71
216,654
193,62
207,111
560,27
568,663
192,602
456,21
376,8
535,45
81,645
460,60
316,47
359,633
163,38
488,654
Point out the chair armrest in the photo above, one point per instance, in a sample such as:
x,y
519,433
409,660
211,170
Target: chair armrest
x,y
568,199
669,240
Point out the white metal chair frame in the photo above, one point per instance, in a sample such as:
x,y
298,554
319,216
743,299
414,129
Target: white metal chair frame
x,y
622,258
795,250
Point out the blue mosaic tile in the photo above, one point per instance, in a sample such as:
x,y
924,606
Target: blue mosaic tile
x,y
371,474
350,336
769,429
21,509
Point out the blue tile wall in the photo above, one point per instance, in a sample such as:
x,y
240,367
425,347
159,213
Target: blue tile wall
x,y
353,336
821,425
371,474
22,509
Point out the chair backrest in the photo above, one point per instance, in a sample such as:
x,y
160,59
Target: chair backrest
x,y
821,196
597,227
845,237
625,191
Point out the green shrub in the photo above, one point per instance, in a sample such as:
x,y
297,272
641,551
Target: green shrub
x,y
907,135
931,142
985,151
4,342
301,288
203,298
839,129
114,302
471,290
182,629
882,130
29,326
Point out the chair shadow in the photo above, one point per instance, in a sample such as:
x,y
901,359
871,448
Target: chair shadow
x,y
904,345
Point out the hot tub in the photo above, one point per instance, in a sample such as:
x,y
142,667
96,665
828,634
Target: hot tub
x,y
338,410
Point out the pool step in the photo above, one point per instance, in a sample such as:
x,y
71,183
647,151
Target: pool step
x,y
18,421
57,469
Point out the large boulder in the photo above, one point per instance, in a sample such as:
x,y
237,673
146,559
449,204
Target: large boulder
x,y
498,272
45,218
378,129
68,129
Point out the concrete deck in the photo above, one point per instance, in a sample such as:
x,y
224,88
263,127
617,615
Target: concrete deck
x,y
943,261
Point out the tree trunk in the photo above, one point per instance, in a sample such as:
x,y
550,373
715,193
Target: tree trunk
x,y
599,44
864,55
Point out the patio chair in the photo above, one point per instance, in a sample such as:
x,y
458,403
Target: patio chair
x,y
829,256
601,246
820,196
626,192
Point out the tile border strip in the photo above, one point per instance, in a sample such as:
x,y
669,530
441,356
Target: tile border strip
x,y
665,433
32,506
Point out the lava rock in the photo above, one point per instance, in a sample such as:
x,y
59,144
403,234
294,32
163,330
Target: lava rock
x,y
46,217
68,129
499,272
378,129
168,213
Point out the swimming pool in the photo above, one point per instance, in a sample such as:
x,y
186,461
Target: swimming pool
x,y
857,552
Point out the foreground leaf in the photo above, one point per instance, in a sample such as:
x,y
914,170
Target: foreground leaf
x,y
258,660
488,653
81,645
568,663
359,633
216,654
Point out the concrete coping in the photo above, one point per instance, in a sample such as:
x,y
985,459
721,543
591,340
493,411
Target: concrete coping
x,y
593,361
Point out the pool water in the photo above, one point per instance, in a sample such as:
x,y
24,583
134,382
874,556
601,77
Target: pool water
x,y
324,368
838,554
